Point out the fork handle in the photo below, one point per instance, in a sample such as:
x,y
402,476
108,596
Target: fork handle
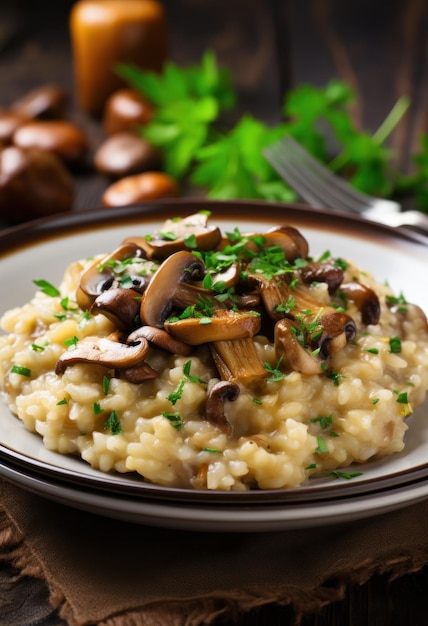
x,y
411,219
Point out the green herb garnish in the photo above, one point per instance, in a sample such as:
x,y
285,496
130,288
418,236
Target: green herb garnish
x,y
47,288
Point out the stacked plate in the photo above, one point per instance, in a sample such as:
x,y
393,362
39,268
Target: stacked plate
x,y
44,249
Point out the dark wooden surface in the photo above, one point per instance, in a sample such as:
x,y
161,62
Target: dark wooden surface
x,y
380,47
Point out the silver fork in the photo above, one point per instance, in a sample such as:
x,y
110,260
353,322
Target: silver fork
x,y
319,186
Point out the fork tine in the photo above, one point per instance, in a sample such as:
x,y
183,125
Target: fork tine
x,y
313,181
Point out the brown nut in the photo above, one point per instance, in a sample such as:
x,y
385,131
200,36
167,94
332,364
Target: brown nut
x,y
48,102
124,154
140,188
33,184
10,121
62,138
126,110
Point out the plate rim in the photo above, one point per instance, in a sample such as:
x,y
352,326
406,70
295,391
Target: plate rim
x,y
37,231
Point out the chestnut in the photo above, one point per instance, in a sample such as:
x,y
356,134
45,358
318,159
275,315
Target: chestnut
x,y
33,183
61,137
124,154
140,188
48,102
126,110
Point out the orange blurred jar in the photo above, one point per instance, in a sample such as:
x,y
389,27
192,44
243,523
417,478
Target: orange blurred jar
x,y
105,32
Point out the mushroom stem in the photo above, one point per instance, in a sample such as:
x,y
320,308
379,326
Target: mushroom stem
x,y
295,357
238,360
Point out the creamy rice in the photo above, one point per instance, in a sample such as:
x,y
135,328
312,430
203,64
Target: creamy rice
x,y
281,432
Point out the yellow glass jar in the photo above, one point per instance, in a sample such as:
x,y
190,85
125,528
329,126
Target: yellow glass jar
x,y
105,32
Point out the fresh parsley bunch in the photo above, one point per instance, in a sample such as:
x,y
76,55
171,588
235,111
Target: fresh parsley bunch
x,y
187,126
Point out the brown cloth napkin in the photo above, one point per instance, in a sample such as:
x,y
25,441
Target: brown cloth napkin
x,y
112,573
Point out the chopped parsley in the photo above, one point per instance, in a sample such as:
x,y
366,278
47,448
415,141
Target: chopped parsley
x,y
335,377
275,372
20,369
400,301
106,384
113,424
47,288
372,350
174,396
322,446
345,475
395,345
324,421
37,348
174,419
61,402
97,408
71,342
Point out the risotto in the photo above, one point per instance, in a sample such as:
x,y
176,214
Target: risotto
x,y
222,361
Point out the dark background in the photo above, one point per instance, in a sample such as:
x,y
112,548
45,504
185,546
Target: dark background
x,y
379,46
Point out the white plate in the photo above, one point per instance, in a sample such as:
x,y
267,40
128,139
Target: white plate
x,y
44,248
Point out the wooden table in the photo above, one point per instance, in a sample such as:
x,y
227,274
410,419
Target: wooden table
x,y
378,47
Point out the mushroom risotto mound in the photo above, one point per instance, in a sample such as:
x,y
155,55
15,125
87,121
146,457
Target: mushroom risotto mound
x,y
220,361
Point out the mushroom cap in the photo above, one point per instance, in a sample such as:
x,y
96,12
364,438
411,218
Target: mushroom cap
x,y
104,351
290,240
192,232
365,299
326,272
161,339
158,299
120,305
100,276
223,325
217,394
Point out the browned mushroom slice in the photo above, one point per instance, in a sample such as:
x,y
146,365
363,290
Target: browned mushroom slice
x,y
100,276
192,232
293,244
410,316
121,306
164,290
161,339
238,360
325,272
103,351
336,329
139,374
217,395
221,326
295,357
365,299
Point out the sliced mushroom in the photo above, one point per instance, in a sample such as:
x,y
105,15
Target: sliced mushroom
x,y
100,276
161,339
336,329
238,360
284,239
365,299
295,357
104,351
217,395
297,246
160,297
192,232
139,374
411,313
326,272
121,306
223,325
